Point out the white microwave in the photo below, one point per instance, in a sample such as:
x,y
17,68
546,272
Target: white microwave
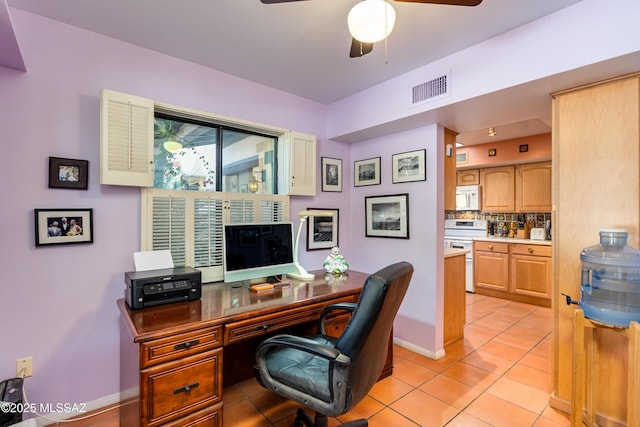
x,y
468,198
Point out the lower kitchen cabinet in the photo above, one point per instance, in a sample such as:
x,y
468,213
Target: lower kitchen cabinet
x,y
516,271
491,266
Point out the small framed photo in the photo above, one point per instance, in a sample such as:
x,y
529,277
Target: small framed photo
x,y
331,174
322,231
63,226
68,173
409,166
366,172
387,216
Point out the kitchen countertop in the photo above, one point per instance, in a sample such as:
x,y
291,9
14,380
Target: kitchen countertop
x,y
451,252
513,240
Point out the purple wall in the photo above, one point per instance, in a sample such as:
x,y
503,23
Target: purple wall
x,y
58,303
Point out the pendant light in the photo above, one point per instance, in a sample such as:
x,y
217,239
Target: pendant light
x,y
371,20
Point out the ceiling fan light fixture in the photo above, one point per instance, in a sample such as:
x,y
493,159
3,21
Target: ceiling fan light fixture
x,y
371,20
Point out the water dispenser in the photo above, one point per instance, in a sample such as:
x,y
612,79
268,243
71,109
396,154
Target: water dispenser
x,y
610,288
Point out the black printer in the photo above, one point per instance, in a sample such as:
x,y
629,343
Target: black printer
x,y
164,286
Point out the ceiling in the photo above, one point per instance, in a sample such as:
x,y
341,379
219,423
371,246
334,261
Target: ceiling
x,y
302,47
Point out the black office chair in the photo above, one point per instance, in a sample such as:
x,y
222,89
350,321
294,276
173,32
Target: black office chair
x,y
331,375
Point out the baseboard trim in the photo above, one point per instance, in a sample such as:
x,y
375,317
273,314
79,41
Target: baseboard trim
x,y
91,409
423,351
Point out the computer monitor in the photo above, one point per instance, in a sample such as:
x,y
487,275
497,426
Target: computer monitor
x,y
257,250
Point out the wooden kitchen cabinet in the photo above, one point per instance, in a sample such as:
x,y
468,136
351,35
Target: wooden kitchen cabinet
x,y
468,177
454,297
516,271
498,189
531,273
533,187
491,268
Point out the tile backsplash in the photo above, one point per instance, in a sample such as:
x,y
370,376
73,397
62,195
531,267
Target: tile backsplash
x,y
497,218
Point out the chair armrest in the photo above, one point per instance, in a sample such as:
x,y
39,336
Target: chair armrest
x,y
303,344
346,306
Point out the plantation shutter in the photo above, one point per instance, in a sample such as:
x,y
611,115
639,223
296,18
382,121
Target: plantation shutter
x,y
126,139
207,230
169,227
190,223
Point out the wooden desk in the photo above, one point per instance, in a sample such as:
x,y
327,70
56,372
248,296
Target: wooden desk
x,y
171,356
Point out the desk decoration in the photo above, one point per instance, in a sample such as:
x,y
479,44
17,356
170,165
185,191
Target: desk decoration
x,y
387,216
409,166
301,273
68,173
335,263
63,226
331,174
322,231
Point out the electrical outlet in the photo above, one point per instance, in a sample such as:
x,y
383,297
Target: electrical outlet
x,y
26,364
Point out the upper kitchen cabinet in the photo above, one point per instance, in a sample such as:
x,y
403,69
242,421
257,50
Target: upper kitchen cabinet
x,y
468,177
533,187
498,189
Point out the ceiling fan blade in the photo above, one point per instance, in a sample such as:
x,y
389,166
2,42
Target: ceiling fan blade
x,y
449,2
277,1
359,48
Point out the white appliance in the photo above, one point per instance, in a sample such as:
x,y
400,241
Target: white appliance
x,y
468,198
459,233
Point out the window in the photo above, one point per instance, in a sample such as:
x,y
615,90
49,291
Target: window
x,y
188,155
167,149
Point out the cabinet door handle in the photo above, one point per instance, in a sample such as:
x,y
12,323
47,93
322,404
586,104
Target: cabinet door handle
x,y
186,389
186,345
264,327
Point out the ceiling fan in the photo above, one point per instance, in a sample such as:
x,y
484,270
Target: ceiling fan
x,y
367,30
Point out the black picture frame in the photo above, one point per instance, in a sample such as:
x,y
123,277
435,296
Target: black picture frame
x,y
366,172
49,229
331,174
322,231
68,173
387,216
409,166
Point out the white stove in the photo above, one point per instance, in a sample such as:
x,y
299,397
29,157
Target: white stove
x,y
459,234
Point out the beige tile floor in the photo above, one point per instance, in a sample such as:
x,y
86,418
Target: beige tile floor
x,y
498,375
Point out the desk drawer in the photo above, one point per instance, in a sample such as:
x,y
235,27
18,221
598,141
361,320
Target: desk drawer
x,y
257,326
180,345
174,389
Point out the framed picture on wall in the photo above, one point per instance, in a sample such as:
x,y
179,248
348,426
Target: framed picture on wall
x,y
387,216
331,174
68,173
322,231
63,226
366,172
409,166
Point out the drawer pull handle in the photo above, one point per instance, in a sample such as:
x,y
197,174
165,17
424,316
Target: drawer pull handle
x,y
186,389
491,247
264,327
186,345
530,250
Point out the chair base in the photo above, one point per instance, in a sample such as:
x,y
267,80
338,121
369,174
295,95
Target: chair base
x,y
321,420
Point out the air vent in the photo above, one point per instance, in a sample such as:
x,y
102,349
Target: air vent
x,y
435,88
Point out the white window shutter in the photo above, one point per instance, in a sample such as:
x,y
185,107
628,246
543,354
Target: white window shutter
x,y
126,139
169,220
298,168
